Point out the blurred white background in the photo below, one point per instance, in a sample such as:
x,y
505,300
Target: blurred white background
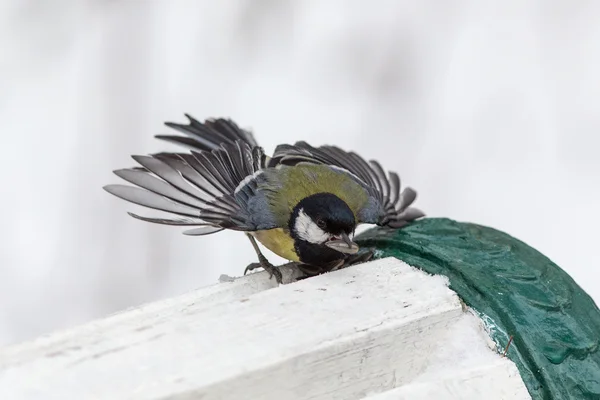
x,y
489,108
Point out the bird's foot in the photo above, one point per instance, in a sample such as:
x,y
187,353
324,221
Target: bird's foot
x,y
252,267
314,270
309,270
358,258
267,266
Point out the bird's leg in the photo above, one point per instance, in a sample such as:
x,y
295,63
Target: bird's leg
x,y
263,263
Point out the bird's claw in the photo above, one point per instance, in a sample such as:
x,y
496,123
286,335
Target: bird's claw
x,y
358,258
277,273
252,267
267,266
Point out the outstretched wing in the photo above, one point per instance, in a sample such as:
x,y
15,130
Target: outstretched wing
x,y
209,189
208,135
392,206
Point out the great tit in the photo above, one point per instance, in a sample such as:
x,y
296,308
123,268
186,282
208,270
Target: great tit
x,y
303,203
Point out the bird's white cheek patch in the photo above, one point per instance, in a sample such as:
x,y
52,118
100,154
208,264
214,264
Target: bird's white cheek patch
x,y
308,230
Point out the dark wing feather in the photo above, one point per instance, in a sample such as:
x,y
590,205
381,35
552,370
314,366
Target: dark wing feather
x,y
200,186
169,221
208,135
150,199
393,205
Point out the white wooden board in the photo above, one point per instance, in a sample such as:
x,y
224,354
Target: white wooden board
x,y
496,380
343,335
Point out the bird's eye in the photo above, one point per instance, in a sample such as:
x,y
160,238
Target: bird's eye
x,y
321,223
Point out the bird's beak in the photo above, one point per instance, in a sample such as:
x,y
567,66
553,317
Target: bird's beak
x,y
343,245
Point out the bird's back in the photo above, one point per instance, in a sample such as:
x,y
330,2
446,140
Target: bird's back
x,y
284,187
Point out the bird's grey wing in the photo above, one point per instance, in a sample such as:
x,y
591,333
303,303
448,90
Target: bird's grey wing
x,y
389,206
203,187
208,135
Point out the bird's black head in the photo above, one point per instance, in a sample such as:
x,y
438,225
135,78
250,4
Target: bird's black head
x,y
321,225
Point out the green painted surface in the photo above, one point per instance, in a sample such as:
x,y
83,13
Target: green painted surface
x,y
519,292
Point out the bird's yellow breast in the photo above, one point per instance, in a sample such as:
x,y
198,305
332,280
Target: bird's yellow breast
x,y
279,242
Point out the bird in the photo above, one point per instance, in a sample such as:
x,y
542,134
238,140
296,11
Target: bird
x,y
303,203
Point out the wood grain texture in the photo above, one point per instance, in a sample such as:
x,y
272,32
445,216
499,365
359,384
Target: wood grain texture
x,y
341,335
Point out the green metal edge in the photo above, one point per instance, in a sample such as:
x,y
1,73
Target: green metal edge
x,y
555,325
